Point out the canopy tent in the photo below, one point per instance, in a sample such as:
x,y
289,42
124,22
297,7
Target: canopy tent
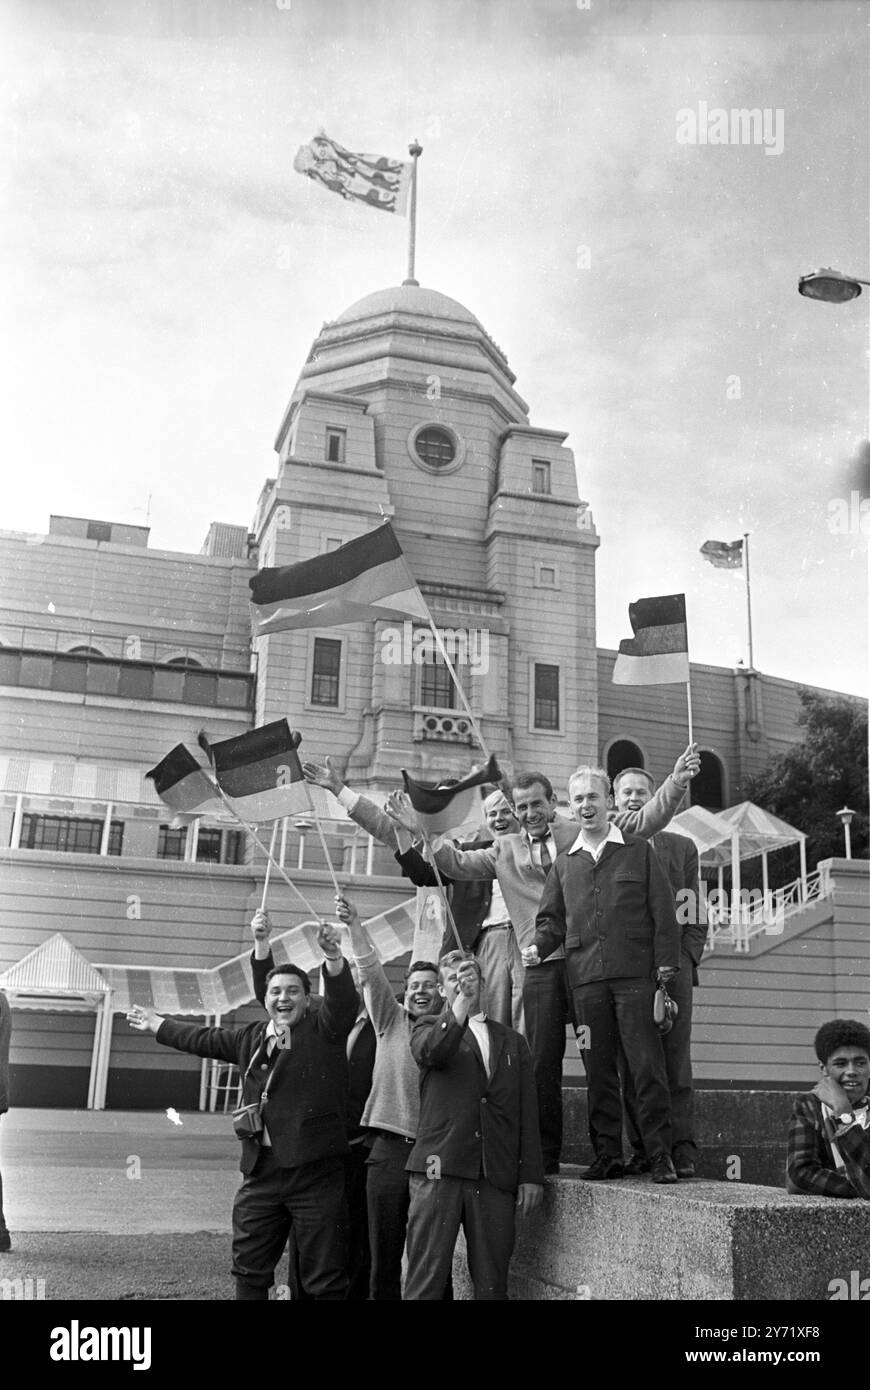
x,y
759,832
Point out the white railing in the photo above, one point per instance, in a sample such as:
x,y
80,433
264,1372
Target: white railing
x,y
758,912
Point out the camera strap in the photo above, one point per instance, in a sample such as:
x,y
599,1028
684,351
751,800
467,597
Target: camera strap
x,y
277,1050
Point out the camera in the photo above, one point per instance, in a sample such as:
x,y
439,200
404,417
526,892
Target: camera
x,y
248,1122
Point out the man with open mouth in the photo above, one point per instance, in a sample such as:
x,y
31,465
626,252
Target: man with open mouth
x,y
829,1133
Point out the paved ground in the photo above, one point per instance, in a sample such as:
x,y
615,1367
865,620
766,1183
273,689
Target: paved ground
x,y
118,1204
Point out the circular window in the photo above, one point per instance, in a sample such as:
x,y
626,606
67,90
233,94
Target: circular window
x,y
436,448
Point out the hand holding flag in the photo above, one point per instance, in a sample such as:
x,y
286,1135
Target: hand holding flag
x,y
444,806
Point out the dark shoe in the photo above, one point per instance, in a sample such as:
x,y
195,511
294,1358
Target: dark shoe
x,y
550,1170
604,1168
662,1169
635,1165
684,1160
5,1241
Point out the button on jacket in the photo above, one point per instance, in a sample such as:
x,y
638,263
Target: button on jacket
x,y
615,918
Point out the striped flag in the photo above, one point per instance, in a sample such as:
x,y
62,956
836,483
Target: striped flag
x,y
365,579
444,806
260,773
361,178
182,785
725,555
658,653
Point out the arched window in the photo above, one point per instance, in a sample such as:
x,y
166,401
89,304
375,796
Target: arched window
x,y
708,788
189,663
623,753
83,650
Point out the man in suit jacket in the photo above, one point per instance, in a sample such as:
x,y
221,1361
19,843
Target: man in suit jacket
x,y
294,1072
477,1159
360,1049
5,1037
609,904
521,863
632,788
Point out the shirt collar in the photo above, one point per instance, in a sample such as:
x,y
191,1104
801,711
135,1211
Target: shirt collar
x,y
614,836
477,1018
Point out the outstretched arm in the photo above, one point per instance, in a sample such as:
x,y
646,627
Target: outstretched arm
x,y
380,1001
662,807
359,808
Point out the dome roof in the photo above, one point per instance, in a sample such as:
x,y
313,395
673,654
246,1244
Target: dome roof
x,y
408,299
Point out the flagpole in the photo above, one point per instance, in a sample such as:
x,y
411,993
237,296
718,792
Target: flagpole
x,y
338,892
467,707
269,867
415,149
748,597
440,881
689,709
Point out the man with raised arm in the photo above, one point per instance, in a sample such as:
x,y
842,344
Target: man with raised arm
x,y
292,1124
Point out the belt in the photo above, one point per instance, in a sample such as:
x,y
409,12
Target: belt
x,y
396,1138
496,926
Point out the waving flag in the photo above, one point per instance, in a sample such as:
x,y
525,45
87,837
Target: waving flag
x,y
365,579
362,178
658,653
260,773
182,785
725,555
442,806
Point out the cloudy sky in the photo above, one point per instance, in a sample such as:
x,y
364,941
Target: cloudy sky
x,y
165,271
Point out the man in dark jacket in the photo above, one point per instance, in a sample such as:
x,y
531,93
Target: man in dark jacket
x,y
5,1037
294,1072
608,902
477,1159
829,1133
633,788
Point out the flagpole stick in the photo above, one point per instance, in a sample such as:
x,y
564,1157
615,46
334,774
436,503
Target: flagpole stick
x,y
323,843
428,843
275,865
269,867
453,676
689,710
748,597
415,149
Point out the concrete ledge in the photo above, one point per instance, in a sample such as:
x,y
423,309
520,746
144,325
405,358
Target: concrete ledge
x,y
704,1240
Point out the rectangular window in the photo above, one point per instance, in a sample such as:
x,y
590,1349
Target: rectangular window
x,y
546,576
170,843
208,847
541,477
335,442
332,543
69,834
99,531
546,697
436,687
325,671
136,682
70,673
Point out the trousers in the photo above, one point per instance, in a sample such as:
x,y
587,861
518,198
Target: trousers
x,y
439,1206
309,1198
547,1009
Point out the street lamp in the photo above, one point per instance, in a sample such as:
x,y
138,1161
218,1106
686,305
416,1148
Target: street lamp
x,y
830,285
845,814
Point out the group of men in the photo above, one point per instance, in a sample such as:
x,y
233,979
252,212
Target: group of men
x,y
373,1129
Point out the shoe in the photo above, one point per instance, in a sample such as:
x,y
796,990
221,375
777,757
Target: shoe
x,y
550,1170
684,1160
5,1241
604,1168
662,1169
635,1165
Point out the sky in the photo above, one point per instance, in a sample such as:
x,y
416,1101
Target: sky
x,y
165,271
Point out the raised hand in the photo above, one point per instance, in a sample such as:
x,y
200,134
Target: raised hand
x,y
687,766
329,940
261,925
347,913
323,775
143,1020
398,807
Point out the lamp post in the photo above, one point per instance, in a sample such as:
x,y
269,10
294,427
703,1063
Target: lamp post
x,y
845,814
831,285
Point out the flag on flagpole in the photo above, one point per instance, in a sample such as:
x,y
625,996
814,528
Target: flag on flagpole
x,y
182,785
442,807
725,555
362,178
260,773
658,653
365,579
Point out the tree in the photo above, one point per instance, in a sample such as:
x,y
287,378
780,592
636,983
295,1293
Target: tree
x,y
828,769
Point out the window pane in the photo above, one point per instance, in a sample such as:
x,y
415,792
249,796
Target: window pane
x,y
200,688
70,834
36,671
170,843
103,677
234,692
435,447
546,697
208,847
10,667
540,477
436,685
70,673
136,682
326,670
168,685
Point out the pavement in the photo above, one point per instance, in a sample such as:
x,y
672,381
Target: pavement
x,y
118,1204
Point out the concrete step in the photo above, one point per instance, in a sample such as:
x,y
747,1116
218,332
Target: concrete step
x,y
632,1239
